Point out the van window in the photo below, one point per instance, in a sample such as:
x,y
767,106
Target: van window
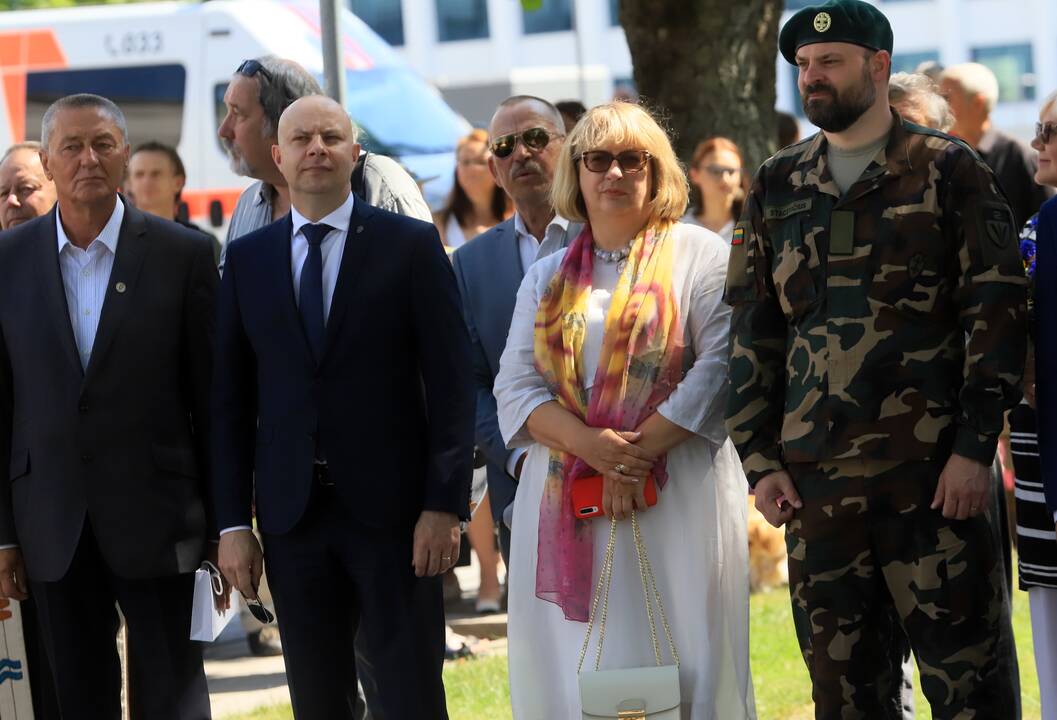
x,y
151,97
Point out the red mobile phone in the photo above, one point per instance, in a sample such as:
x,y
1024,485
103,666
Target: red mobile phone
x,y
587,495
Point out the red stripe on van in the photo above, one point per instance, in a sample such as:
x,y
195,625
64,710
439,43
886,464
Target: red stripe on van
x,y
20,52
198,201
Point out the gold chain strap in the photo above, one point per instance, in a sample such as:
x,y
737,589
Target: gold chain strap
x,y
649,587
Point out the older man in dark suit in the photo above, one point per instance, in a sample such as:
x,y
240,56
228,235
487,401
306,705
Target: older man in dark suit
x,y
525,134
106,318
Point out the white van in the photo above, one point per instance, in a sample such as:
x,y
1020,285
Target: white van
x,y
168,64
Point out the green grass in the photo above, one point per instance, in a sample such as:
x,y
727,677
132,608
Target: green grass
x,y
477,688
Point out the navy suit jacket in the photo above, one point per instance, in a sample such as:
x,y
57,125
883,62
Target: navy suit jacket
x,y
1046,347
489,272
391,401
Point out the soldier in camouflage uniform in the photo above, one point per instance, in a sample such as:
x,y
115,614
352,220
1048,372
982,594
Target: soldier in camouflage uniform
x,y
877,339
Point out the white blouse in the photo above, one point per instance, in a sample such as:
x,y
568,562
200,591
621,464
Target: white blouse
x,y
697,404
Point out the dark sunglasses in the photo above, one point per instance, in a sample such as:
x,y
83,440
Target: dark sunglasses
x,y
257,610
534,139
630,161
249,68
1045,131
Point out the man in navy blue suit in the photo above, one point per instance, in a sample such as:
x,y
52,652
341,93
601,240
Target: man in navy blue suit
x,y
525,136
343,404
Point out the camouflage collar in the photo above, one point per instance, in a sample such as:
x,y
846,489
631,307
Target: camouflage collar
x,y
894,160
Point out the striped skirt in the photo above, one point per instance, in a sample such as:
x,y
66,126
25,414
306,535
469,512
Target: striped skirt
x,y
1036,539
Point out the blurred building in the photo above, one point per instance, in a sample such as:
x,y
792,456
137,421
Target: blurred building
x,y
479,51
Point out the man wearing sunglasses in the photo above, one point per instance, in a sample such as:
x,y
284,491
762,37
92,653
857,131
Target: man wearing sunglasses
x,y
972,91
526,133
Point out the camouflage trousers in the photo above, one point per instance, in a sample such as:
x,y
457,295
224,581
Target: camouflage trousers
x,y
866,551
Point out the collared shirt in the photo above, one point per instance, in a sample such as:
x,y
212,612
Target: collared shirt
x,y
85,276
253,210
529,246
332,247
530,249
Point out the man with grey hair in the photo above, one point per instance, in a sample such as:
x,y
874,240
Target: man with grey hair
x,y
105,369
258,93
916,98
525,137
972,91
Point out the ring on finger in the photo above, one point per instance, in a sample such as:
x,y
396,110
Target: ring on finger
x,y
620,468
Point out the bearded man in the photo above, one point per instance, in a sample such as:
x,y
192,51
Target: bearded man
x,y
878,337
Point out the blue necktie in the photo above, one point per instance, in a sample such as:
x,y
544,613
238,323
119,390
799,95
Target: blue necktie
x,y
311,290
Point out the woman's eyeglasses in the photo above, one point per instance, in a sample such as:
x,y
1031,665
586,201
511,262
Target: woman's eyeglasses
x,y
534,139
721,171
630,161
1045,131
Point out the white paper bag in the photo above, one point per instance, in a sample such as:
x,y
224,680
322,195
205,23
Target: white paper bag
x,y
206,621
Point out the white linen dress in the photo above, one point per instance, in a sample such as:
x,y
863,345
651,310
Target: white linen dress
x,y
695,535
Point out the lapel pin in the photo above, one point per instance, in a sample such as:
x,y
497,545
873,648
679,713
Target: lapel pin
x,y
120,287
359,228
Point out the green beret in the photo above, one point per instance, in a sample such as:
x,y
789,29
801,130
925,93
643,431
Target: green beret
x,y
846,21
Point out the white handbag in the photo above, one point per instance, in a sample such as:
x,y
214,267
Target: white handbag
x,y
646,693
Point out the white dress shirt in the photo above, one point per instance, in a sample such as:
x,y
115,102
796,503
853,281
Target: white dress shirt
x,y
85,276
530,249
332,248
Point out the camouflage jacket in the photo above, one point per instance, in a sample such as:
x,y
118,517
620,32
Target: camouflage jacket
x,y
887,323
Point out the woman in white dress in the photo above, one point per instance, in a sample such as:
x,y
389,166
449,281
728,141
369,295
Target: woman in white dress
x,y
616,361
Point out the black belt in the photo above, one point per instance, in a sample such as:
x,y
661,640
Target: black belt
x,y
321,474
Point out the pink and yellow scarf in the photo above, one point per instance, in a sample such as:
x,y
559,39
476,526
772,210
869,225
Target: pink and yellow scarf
x,y
641,363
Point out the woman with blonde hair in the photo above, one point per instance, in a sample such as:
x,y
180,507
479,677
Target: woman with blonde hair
x,y
615,366
476,203
717,173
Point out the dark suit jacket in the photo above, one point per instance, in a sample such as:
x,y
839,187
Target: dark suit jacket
x,y
489,272
1046,347
122,443
1014,165
391,403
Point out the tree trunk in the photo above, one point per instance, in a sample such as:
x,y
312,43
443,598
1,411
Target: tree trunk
x,y
708,66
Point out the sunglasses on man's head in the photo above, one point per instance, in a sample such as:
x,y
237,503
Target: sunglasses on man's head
x,y
534,139
1045,131
630,161
249,68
